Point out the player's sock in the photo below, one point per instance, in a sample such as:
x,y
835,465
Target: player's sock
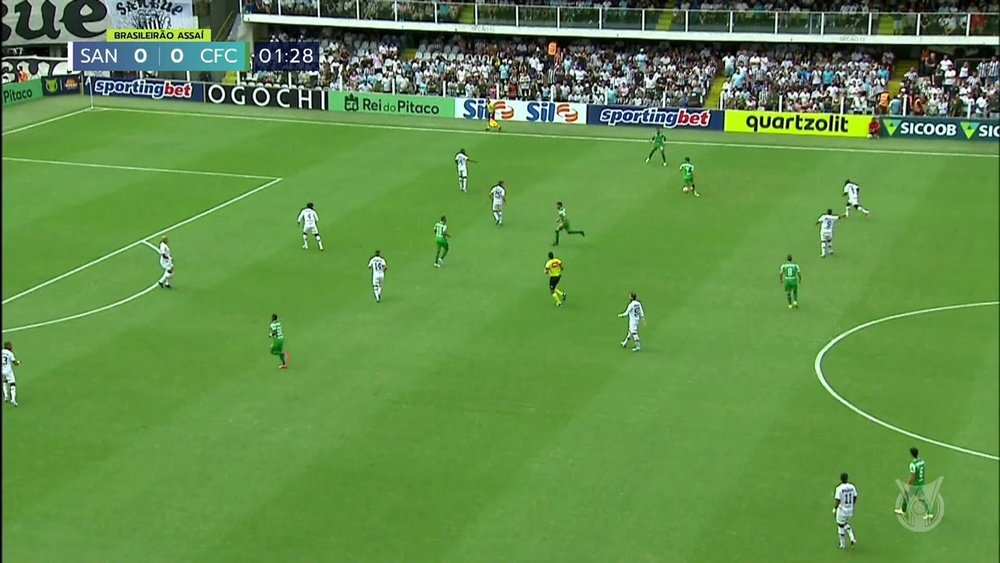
x,y
319,242
863,210
664,156
13,393
555,297
444,253
625,342
378,294
560,293
305,240
795,296
841,533
850,532
575,233
651,153
557,236
496,216
847,211
638,345
6,397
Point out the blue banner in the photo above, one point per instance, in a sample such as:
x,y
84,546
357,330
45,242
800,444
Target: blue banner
x,y
941,128
667,118
62,85
147,88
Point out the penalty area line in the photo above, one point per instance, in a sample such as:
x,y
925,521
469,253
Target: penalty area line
x,y
144,239
818,366
90,312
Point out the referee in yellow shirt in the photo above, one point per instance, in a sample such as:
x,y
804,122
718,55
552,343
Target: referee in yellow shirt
x,y
554,268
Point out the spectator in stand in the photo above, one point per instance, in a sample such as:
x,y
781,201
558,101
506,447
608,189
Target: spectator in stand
x,y
875,129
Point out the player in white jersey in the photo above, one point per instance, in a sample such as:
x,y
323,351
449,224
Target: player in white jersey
x,y
635,315
463,160
852,192
167,263
499,196
846,497
826,223
9,385
308,218
378,267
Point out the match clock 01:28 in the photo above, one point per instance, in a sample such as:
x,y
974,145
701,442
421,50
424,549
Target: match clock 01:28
x,y
285,56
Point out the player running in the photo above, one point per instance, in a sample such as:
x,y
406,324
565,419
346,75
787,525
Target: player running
x,y
635,315
562,223
378,267
659,142
308,218
846,497
915,486
554,268
9,384
167,263
687,172
790,276
278,342
441,236
826,222
462,160
853,193
499,196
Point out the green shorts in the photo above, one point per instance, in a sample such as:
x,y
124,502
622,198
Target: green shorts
x,y
658,147
277,345
791,285
689,180
442,242
564,227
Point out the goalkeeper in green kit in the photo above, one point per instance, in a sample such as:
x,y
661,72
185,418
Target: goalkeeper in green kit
x,y
790,276
659,141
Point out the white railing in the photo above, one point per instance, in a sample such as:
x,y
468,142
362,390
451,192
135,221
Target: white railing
x,y
843,105
841,25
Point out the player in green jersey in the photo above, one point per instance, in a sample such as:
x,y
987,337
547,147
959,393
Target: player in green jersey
x,y
687,171
916,486
790,276
441,236
659,140
562,223
278,342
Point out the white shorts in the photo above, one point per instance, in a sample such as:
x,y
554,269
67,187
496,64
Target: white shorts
x,y
463,173
633,328
8,378
310,230
167,264
844,516
826,237
853,201
497,206
377,280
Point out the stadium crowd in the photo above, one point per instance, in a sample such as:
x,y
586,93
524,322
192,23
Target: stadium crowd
x,y
806,80
466,66
773,77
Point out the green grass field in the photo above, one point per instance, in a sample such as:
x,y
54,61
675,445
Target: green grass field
x,y
465,418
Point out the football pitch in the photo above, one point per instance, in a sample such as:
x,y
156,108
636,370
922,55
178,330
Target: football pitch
x,y
466,418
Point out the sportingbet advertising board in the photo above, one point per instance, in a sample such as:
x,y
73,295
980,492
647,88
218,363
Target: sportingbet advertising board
x,y
363,102
787,123
146,88
666,118
520,110
940,128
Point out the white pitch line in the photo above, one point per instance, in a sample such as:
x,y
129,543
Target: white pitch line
x,y
84,314
137,168
151,245
551,136
46,121
78,269
818,365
